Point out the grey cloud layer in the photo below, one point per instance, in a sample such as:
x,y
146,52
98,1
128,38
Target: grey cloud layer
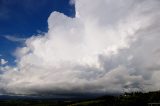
x,y
110,46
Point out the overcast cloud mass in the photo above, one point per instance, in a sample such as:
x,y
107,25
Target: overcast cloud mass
x,y
111,46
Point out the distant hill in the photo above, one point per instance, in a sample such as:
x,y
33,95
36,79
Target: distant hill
x,y
127,99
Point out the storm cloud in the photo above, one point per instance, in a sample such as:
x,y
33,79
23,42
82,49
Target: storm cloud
x,y
110,46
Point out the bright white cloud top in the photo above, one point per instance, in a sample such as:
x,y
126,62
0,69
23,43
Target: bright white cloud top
x,y
110,46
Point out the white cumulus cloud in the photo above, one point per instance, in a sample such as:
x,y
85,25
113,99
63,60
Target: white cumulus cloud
x,y
110,46
3,61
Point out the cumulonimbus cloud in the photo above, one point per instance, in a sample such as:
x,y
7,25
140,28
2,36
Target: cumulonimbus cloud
x,y
110,46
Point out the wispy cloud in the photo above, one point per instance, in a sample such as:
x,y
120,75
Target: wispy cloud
x,y
15,39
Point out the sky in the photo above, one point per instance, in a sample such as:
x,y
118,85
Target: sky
x,y
20,19
79,47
